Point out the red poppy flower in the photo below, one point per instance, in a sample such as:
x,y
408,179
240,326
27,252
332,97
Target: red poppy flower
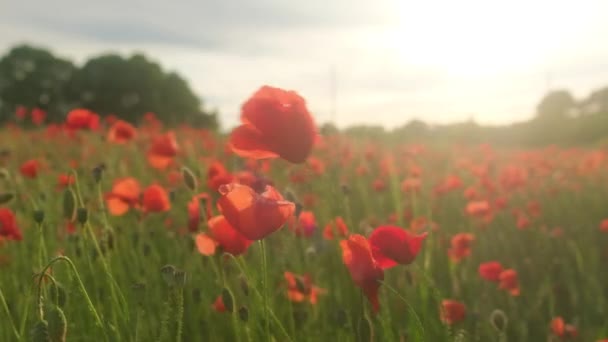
x,y
336,227
452,311
222,234
194,211
305,224
490,270
276,123
80,118
38,116
64,180
363,268
20,112
411,184
124,195
217,175
30,168
254,215
218,305
8,225
461,246
478,208
509,281
379,185
563,330
155,199
163,150
393,245
604,226
301,288
121,132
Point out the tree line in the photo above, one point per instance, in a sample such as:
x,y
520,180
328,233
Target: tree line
x,y
127,87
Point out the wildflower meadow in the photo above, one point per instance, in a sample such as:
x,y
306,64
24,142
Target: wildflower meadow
x,y
280,231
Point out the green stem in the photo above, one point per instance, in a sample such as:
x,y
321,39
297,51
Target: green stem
x,y
180,314
419,327
80,284
265,290
8,314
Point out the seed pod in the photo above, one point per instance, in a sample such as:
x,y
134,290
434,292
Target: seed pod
x,y
228,299
189,179
244,285
168,274
180,278
38,216
98,172
58,294
69,204
57,324
244,313
6,197
499,320
82,215
40,332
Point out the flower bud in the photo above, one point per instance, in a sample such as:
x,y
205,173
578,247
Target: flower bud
x,y
189,179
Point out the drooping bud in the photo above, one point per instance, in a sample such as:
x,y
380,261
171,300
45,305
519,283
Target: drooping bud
x,y
98,172
499,320
38,216
244,285
6,197
40,332
244,313
58,326
82,215
189,179
69,204
228,299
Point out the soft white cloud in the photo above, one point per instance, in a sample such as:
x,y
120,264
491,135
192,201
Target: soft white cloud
x,y
440,61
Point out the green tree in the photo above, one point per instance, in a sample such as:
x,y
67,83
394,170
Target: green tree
x,y
33,77
557,104
130,87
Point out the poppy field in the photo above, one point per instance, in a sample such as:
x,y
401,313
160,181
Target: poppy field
x,y
278,231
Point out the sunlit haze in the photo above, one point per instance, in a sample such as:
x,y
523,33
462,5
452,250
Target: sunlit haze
x,y
356,62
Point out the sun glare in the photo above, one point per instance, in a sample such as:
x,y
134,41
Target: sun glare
x,y
482,37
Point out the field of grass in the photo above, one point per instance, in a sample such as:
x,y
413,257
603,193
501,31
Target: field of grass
x,y
113,239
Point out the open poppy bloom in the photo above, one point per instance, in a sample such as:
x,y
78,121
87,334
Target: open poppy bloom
x,y
30,168
124,195
490,270
81,119
218,304
452,311
300,288
38,116
275,123
194,210
163,150
461,246
335,228
254,215
121,132
363,268
155,199
8,225
223,235
509,281
393,245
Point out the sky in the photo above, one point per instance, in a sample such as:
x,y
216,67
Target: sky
x,y
381,62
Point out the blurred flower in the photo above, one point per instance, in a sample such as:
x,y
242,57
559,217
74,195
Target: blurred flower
x,y
305,225
8,225
490,270
301,288
30,168
121,132
336,227
80,119
155,199
509,282
452,311
124,195
162,151
461,246
194,210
